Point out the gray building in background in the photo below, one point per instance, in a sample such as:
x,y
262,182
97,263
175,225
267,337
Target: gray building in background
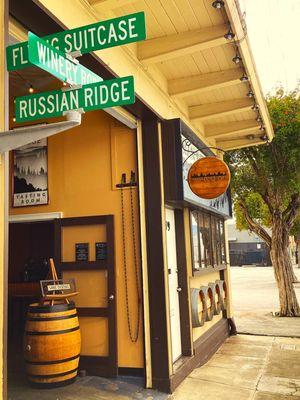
x,y
246,248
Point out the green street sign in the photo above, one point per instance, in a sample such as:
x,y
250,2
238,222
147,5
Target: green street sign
x,y
45,56
115,92
101,35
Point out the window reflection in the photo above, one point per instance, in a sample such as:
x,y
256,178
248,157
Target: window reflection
x,y
208,241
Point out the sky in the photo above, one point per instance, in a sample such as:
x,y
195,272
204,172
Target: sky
x,y
273,28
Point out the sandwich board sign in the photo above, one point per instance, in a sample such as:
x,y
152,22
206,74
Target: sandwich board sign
x,y
100,35
94,96
57,63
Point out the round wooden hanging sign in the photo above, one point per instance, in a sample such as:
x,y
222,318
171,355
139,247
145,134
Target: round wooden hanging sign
x,y
209,177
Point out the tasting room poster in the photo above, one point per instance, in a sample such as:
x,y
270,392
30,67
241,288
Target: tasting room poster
x,y
30,174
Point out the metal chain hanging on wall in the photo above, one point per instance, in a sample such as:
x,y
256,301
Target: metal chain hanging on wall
x,y
133,333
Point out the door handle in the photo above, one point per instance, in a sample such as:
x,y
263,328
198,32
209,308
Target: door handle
x,y
111,297
179,289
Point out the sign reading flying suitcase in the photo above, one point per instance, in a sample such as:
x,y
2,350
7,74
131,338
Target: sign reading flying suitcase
x,y
100,35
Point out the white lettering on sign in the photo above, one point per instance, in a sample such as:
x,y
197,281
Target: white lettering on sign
x,y
66,69
49,104
91,37
63,286
63,101
31,198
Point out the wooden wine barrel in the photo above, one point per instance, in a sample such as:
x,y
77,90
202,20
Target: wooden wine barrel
x,y
222,293
199,307
52,344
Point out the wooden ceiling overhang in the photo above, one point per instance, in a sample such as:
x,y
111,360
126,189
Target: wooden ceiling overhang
x,y
184,69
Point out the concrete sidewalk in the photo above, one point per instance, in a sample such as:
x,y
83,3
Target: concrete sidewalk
x,y
255,297
247,368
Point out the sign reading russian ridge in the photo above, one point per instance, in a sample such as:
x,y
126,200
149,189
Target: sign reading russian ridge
x,y
95,96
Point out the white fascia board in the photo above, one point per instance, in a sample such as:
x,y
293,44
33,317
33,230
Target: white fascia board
x,y
18,137
236,20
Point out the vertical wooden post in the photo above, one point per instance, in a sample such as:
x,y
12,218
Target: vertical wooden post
x,y
3,200
155,255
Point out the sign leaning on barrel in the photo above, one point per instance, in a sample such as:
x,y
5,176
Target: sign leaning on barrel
x,y
209,177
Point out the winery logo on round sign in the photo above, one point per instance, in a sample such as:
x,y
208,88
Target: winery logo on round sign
x,y
209,177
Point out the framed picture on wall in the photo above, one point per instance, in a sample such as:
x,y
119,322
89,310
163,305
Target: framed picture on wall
x,y
30,175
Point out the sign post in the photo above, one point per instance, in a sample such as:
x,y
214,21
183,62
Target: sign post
x,y
101,35
95,96
64,67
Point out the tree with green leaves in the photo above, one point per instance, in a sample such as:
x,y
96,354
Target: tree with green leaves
x,y
266,191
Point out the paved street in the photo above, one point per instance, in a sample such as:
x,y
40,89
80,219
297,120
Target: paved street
x,y
255,297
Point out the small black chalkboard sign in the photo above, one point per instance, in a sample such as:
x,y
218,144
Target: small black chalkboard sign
x,y
101,250
82,251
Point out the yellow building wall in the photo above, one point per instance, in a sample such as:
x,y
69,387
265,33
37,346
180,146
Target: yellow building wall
x,y
84,164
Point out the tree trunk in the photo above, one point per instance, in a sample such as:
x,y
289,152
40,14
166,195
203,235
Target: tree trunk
x,y
284,273
297,240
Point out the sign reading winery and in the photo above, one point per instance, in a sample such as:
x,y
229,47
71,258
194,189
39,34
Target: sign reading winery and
x,y
57,63
101,35
209,177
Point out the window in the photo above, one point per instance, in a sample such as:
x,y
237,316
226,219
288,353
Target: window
x,y
208,241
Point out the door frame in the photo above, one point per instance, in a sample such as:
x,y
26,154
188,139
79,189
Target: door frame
x,y
97,365
183,282
171,209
